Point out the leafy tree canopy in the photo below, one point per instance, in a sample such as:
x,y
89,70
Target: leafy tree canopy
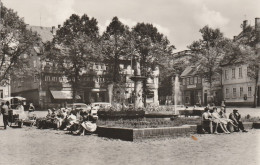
x,y
17,42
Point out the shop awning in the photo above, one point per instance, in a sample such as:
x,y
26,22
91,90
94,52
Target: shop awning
x,y
62,95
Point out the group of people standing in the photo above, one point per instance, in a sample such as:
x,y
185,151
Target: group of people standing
x,y
5,107
5,112
218,120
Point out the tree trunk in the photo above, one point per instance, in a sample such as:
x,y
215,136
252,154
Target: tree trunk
x,y
256,91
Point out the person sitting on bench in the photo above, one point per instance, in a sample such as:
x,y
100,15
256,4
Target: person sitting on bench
x,y
236,118
222,123
207,121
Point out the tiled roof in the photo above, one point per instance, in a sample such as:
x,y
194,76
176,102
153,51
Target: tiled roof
x,y
44,32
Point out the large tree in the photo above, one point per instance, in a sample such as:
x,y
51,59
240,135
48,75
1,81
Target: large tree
x,y
17,43
153,48
208,53
74,47
115,45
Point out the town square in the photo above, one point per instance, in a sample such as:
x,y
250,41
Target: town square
x,y
129,82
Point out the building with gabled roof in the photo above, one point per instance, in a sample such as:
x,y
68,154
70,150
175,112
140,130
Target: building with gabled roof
x,y
196,90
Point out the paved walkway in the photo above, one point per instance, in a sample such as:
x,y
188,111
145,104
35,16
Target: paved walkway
x,y
29,145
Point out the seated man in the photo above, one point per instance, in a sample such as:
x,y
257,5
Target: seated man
x,y
236,118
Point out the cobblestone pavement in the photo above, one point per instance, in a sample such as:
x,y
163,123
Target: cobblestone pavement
x,y
29,145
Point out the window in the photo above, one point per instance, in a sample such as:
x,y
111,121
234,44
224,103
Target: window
x,y
96,66
226,74
234,92
125,66
199,80
187,81
233,73
227,92
195,80
240,73
1,93
241,92
60,79
191,80
53,78
183,81
47,78
35,78
249,91
19,82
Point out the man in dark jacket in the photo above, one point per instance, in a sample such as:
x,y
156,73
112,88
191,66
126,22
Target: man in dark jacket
x,y
5,109
236,118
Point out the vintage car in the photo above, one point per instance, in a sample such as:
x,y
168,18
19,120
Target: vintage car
x,y
78,106
98,105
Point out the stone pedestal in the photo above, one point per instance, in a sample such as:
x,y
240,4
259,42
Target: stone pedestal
x,y
138,100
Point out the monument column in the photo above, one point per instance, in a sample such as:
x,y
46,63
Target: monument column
x,y
138,79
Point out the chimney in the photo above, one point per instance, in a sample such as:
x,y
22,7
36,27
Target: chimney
x,y
58,26
234,38
244,24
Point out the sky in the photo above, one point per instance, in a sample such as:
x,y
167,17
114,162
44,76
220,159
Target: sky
x,y
179,20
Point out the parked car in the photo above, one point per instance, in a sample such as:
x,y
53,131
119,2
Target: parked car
x,y
77,106
98,105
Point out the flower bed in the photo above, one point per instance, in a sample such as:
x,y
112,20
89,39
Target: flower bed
x,y
149,123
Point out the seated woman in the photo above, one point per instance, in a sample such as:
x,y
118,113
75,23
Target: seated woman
x,y
61,116
222,123
223,116
207,121
72,120
87,123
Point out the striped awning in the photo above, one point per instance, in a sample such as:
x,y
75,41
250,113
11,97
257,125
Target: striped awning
x,y
62,95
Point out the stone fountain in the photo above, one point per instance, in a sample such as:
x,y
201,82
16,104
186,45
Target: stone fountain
x,y
176,92
138,80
